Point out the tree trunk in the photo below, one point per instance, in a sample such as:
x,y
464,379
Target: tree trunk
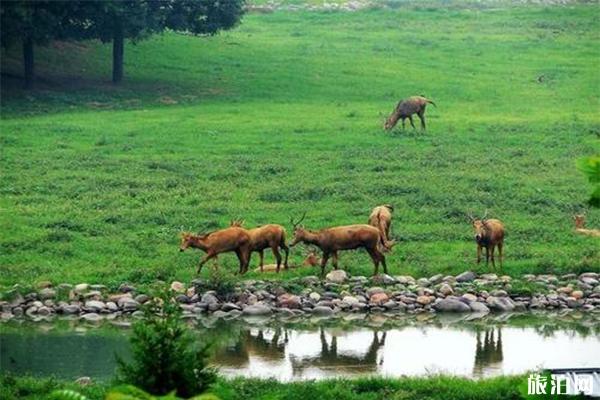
x,y
118,42
28,62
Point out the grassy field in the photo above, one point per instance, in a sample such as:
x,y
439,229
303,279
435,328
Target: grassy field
x,y
283,115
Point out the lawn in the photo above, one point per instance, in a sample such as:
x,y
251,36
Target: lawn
x,y
283,115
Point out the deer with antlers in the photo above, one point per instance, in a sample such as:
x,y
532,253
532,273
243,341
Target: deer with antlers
x,y
267,236
381,218
350,237
232,239
489,234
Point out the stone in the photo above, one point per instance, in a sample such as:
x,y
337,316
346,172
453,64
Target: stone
x,y
479,307
44,284
378,298
182,298
98,287
257,310
423,300
436,279
589,281
128,304
451,305
350,300
374,290
498,293
94,306
446,289
500,303
177,287
142,298
70,309
81,288
314,296
289,301
17,311
209,298
322,311
226,307
466,276
126,288
383,279
91,317
577,294
405,279
44,311
111,306
47,293
337,276
84,381
489,277
565,289
469,297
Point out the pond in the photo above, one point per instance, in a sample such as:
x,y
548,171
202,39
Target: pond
x,y
471,346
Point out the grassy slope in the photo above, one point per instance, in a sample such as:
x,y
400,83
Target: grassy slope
x,y
282,115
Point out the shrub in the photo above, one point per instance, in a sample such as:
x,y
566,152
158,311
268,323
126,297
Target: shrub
x,y
166,357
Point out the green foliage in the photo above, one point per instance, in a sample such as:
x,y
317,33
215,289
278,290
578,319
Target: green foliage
x,y
165,355
221,281
590,167
66,394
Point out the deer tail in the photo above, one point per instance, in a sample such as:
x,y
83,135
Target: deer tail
x,y
431,102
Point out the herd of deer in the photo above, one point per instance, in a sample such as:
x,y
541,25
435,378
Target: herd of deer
x,y
374,237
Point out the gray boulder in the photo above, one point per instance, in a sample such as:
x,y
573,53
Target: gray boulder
x,y
500,303
257,310
451,305
466,276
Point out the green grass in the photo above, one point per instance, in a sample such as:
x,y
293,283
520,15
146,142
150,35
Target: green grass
x,y
432,388
283,115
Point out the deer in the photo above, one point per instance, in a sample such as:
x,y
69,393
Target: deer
x,y
405,109
232,239
267,236
489,234
311,259
580,226
381,218
350,237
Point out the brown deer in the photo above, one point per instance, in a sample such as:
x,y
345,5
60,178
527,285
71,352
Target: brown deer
x,y
267,236
489,234
405,109
311,260
381,218
580,226
225,240
331,240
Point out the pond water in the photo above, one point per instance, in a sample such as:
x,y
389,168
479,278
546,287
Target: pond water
x,y
315,349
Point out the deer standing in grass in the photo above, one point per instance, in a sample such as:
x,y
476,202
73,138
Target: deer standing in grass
x,y
489,234
381,218
232,239
267,236
405,109
332,240
580,226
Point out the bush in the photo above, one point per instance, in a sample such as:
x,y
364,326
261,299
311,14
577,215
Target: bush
x,y
166,357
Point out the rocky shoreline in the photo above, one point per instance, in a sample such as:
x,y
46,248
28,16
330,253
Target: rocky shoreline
x,y
338,293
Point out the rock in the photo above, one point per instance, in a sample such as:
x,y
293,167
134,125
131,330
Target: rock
x,y
446,289
44,311
84,381
436,279
314,296
466,276
499,293
44,284
177,287
423,300
451,305
137,314
289,301
374,290
70,309
98,287
182,298
17,311
378,298
126,288
322,311
565,289
142,298
226,307
405,279
589,281
390,305
257,310
81,288
128,304
500,303
219,314
310,280
93,295
91,317
489,277
337,276
383,279
469,297
209,298
350,300
47,293
479,307
94,306
577,294
572,302
111,306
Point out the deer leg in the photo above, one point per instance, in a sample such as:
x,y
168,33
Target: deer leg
x,y
375,258
421,116
286,250
478,253
261,254
207,257
245,260
324,263
500,253
487,256
403,123
238,253
382,260
492,256
412,123
277,256
334,260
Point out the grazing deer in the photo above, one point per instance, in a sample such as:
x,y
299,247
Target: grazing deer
x,y
331,240
405,109
580,226
489,234
267,236
381,218
225,240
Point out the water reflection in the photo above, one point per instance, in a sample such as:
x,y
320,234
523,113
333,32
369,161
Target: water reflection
x,y
314,350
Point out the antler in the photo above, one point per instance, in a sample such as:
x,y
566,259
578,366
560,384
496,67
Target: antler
x,y
295,224
483,219
470,216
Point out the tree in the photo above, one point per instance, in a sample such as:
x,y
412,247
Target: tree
x,y
32,23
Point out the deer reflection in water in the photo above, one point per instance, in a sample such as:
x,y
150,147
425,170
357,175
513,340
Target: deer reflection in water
x,y
330,357
249,344
488,351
